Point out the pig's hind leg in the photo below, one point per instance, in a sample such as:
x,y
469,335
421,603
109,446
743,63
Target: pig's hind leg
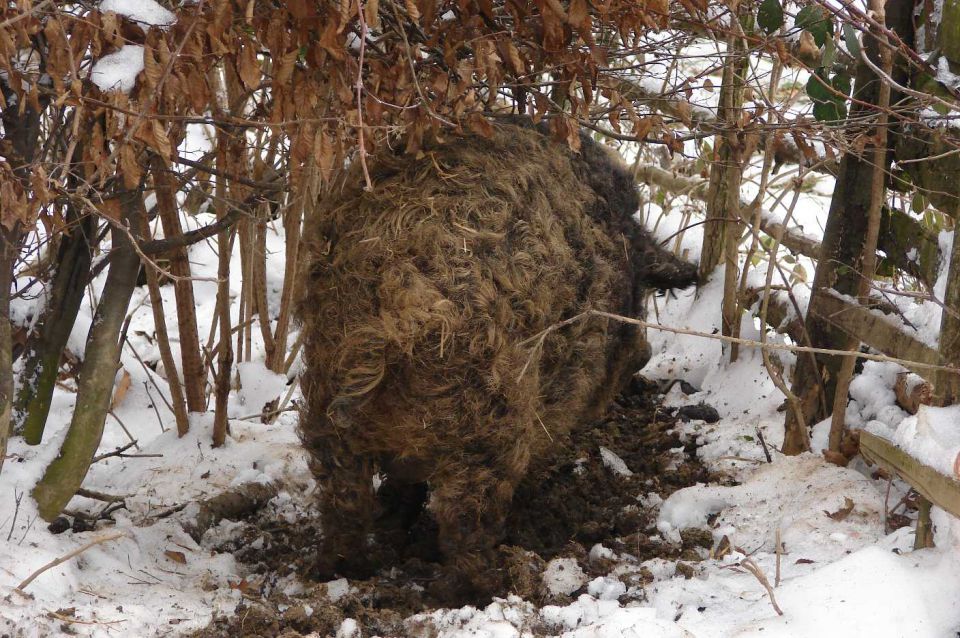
x,y
348,507
470,501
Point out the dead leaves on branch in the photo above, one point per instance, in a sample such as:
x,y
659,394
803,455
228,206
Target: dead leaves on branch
x,y
426,63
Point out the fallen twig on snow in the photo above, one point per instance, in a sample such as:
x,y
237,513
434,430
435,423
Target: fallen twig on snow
x,y
57,561
101,496
78,621
753,568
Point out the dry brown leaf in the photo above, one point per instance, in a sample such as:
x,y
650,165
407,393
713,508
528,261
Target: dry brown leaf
x,y
248,68
242,585
807,50
324,152
152,70
346,10
614,117
123,386
685,112
129,166
517,64
13,204
479,125
642,127
722,549
177,557
153,135
842,513
557,9
371,13
38,180
110,28
412,10
579,12
808,152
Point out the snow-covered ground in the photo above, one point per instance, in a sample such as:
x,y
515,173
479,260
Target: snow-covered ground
x,y
839,573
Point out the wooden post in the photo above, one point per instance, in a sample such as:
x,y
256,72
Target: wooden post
x,y
924,534
946,386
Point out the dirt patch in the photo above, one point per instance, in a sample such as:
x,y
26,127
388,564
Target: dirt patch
x,y
581,499
584,497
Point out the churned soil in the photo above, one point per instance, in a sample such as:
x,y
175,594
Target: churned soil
x,y
582,498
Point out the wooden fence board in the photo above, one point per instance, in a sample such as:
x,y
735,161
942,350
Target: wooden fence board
x,y
942,491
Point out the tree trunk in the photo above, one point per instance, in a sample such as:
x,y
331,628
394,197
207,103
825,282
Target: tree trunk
x,y
878,192
259,289
9,249
21,134
191,360
842,251
292,219
221,386
179,404
42,362
65,474
722,231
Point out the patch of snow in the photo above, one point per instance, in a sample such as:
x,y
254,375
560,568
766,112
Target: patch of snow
x,y
348,629
614,463
337,589
932,437
606,588
598,553
118,71
692,506
145,12
563,576
258,386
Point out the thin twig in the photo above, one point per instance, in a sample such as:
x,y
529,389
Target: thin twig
x,y
779,552
886,503
117,452
153,404
57,561
540,337
123,427
101,496
363,48
17,498
77,621
149,374
753,568
763,444
23,537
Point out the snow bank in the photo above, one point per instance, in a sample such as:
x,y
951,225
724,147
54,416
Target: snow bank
x,y
795,495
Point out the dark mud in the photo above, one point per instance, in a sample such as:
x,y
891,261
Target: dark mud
x,y
563,511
